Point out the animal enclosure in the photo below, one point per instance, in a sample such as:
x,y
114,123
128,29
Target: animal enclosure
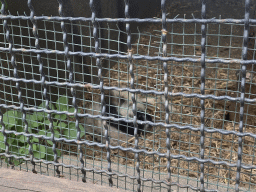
x,y
139,95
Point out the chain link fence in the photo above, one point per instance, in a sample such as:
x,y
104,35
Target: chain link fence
x,y
139,95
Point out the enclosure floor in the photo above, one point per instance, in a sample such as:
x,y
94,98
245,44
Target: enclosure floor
x,y
21,180
14,180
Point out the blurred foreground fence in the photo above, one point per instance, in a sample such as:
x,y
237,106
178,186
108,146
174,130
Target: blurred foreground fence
x,y
191,63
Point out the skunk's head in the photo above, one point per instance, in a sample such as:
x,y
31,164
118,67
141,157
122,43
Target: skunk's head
x,y
128,127
119,105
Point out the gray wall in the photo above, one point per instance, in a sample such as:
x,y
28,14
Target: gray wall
x,y
54,65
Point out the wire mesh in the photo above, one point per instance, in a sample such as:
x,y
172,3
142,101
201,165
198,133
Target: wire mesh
x,y
194,75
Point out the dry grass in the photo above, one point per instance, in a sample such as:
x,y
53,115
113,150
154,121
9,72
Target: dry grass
x,y
184,77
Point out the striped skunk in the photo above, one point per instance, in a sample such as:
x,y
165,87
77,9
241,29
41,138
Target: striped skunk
x,y
118,105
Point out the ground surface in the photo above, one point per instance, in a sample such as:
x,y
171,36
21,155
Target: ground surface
x,y
13,181
20,179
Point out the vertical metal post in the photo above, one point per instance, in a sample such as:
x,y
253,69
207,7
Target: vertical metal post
x,y
15,74
166,91
242,96
103,104
202,103
72,90
35,33
134,104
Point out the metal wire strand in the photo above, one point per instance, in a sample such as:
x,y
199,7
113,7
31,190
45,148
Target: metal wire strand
x,y
212,130
130,20
101,87
242,96
87,143
72,90
15,74
134,104
135,57
202,115
1,114
166,91
171,94
35,33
